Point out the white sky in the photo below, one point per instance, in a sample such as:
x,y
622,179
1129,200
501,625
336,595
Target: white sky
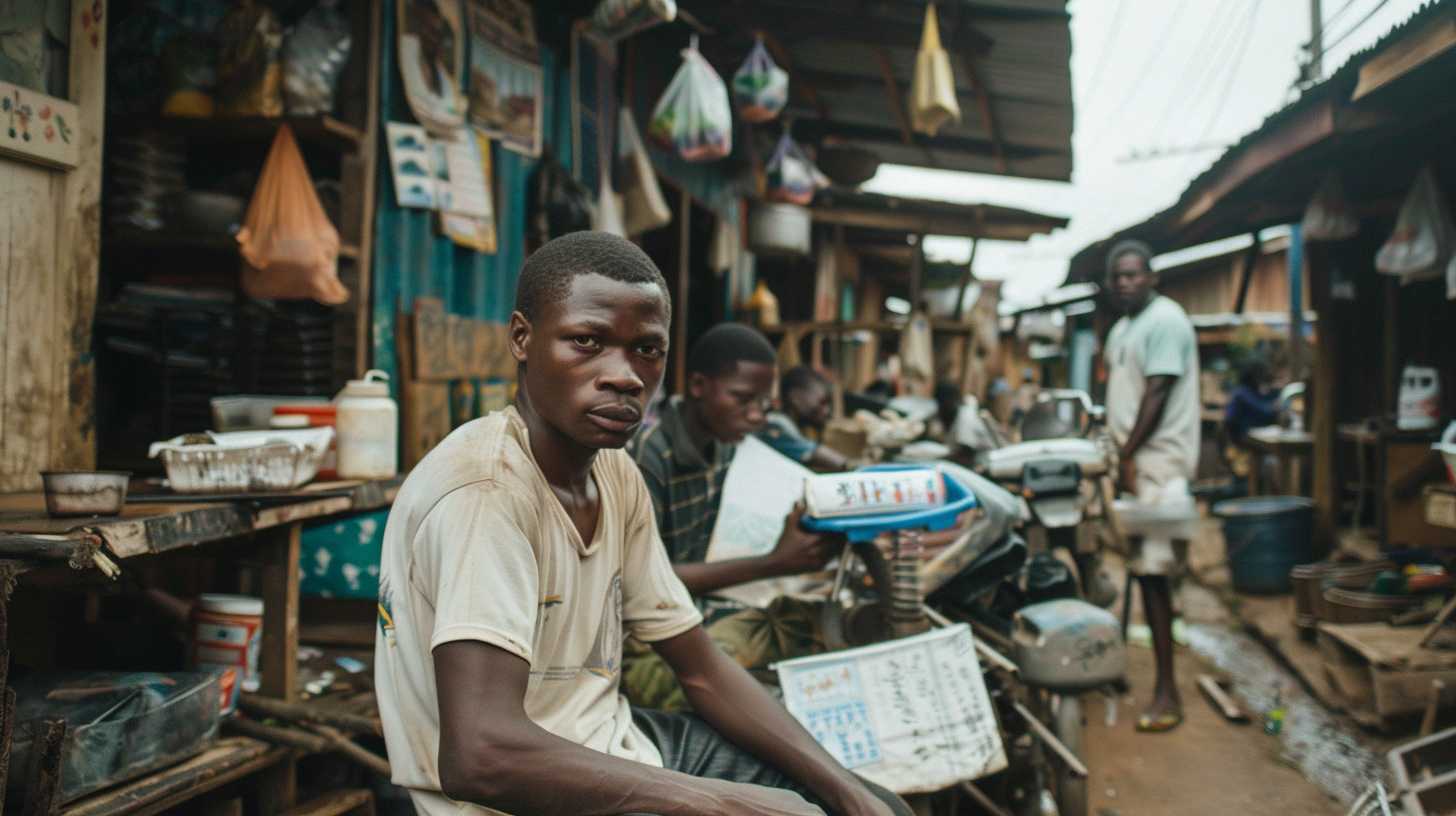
x,y
1146,75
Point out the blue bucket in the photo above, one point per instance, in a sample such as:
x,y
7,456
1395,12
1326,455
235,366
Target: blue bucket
x,y
1266,537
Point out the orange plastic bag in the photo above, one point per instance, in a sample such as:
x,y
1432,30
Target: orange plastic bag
x,y
289,248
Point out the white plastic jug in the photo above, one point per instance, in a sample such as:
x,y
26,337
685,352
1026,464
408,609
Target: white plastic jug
x,y
1420,399
368,428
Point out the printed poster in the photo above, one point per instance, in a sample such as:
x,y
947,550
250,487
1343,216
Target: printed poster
x,y
432,62
506,85
469,217
911,714
410,164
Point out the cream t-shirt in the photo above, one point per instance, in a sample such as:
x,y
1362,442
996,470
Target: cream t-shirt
x,y
1159,341
477,547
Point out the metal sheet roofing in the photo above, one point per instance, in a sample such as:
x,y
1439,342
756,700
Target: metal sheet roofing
x,y
1018,50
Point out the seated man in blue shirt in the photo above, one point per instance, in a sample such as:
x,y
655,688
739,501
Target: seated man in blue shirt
x,y
804,397
1251,405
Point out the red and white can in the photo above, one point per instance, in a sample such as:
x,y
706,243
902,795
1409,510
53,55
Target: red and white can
x,y
227,634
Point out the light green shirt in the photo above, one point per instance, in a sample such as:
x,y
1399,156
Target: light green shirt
x,y
1159,341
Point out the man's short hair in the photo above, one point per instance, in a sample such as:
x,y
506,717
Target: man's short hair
x,y
548,273
724,346
1130,247
801,378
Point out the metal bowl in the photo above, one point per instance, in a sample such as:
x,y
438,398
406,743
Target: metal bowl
x,y
85,492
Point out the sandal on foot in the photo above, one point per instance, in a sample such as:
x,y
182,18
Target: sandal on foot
x,y
1159,724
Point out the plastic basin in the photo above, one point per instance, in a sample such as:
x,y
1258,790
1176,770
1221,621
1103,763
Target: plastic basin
x,y
1266,537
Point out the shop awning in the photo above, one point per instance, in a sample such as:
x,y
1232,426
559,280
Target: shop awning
x,y
850,66
1373,121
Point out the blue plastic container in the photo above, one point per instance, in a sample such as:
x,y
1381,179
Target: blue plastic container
x,y
1266,537
958,499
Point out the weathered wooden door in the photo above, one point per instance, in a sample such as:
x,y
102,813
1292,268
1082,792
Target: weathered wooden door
x,y
50,217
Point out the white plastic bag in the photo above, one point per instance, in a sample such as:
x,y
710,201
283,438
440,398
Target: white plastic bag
x,y
760,87
643,207
1424,236
618,19
791,176
1329,216
932,90
694,117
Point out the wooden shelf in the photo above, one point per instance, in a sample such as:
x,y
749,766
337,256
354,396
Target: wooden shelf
x,y
165,239
229,760
831,327
319,131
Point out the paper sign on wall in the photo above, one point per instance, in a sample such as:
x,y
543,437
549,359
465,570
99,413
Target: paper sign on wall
x,y
912,714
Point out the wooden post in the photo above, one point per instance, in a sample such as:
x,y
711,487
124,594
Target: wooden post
x,y
917,272
1390,338
1322,406
279,656
680,309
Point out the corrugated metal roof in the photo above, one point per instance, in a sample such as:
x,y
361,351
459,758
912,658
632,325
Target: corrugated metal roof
x,y
1375,156
1019,49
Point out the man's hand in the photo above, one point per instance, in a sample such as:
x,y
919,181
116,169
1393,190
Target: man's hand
x,y
1127,471
800,551
735,799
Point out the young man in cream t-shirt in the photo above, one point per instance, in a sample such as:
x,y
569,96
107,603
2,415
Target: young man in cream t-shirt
x,y
517,556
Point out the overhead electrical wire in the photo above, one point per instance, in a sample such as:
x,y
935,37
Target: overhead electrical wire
x,y
1341,10
1152,60
1352,29
1205,61
1110,45
1234,67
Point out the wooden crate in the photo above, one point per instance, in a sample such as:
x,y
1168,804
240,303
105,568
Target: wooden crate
x,y
1381,674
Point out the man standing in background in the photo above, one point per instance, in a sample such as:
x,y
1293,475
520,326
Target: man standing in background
x,y
1153,414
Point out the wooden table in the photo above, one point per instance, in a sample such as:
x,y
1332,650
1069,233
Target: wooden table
x,y
1291,448
266,528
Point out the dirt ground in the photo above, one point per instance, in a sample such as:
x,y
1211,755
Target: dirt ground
x,y
1207,765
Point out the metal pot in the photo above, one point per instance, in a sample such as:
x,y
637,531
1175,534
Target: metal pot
x,y
779,229
84,492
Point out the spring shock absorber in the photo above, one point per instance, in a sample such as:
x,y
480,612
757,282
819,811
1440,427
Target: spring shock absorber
x,y
906,614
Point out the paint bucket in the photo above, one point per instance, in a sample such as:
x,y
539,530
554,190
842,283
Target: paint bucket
x,y
226,636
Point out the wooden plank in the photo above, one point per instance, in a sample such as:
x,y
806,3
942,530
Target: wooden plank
x,y
336,804
1403,57
482,348
503,363
459,340
929,223
229,760
431,339
426,418
31,339
1219,699
279,654
78,249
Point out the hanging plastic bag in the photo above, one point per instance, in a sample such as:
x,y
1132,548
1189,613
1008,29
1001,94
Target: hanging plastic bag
x,y
693,117
249,74
558,203
760,87
932,90
313,57
1329,216
289,247
618,19
1424,236
790,174
643,207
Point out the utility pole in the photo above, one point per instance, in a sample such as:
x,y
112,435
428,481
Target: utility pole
x,y
1313,70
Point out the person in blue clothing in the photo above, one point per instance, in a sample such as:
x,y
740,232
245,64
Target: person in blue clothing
x,y
804,399
1253,404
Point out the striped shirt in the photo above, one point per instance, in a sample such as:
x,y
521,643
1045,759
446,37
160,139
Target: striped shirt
x,y
686,482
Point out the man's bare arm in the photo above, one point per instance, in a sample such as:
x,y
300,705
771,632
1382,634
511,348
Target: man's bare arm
x,y
1150,412
492,754
734,704
798,551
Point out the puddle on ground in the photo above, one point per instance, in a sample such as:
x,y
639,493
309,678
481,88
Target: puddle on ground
x,y
1325,749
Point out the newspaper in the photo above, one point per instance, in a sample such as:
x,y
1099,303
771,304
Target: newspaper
x,y
760,490
912,714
